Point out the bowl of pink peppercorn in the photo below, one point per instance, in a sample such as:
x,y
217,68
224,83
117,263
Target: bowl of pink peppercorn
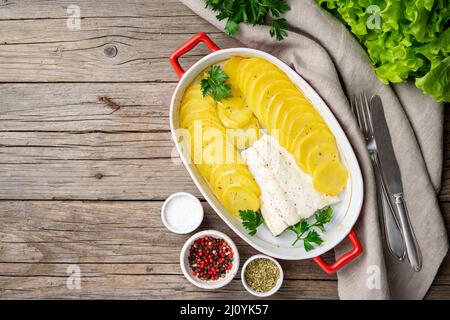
x,y
209,259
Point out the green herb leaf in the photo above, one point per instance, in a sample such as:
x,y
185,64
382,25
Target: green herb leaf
x,y
254,12
300,227
231,28
312,237
215,84
322,217
251,220
278,28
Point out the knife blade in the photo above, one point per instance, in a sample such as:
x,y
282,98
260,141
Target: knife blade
x,y
386,154
392,178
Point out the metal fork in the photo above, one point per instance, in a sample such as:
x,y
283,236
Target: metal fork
x,y
389,221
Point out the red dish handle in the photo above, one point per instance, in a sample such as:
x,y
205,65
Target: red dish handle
x,y
344,259
188,46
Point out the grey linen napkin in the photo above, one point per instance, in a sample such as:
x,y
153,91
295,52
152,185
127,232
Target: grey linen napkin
x,y
326,55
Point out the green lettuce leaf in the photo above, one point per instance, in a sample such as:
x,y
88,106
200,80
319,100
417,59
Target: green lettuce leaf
x,y
405,39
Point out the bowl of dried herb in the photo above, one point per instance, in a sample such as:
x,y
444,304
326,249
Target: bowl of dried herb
x,y
262,275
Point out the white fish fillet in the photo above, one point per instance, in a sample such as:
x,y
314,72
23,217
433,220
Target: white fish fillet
x,y
297,184
270,205
287,193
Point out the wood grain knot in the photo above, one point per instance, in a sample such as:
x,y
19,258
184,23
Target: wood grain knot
x,y
114,106
110,51
98,176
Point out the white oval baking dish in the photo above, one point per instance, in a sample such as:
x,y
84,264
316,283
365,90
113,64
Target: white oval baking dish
x,y
345,213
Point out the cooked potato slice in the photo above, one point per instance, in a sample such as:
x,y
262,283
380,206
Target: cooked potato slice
x,y
243,69
195,92
274,113
238,197
292,107
216,170
230,68
190,118
205,134
205,170
219,152
250,75
287,121
266,94
330,177
311,140
244,137
233,176
193,106
234,112
257,86
257,71
321,153
297,125
277,98
296,131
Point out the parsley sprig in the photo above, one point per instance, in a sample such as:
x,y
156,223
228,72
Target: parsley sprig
x,y
305,232
322,217
215,84
254,12
251,220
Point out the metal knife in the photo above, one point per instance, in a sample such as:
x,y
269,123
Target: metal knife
x,y
393,180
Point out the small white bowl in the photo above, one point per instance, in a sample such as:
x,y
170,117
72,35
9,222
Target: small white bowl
x,y
196,206
262,294
209,284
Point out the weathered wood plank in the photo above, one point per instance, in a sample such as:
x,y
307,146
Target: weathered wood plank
x,y
94,165
123,251
105,233
153,287
42,147
55,54
32,9
151,179
77,107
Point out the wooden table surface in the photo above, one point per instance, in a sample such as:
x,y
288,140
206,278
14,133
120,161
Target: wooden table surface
x,y
86,156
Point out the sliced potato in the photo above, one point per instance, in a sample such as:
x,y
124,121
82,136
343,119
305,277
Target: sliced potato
x,y
290,92
238,197
230,67
244,137
233,176
321,153
251,75
199,96
218,152
273,114
309,142
296,132
265,95
218,169
285,123
189,119
195,105
205,170
277,98
257,86
330,177
206,134
234,112
243,69
300,104
257,71
297,125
